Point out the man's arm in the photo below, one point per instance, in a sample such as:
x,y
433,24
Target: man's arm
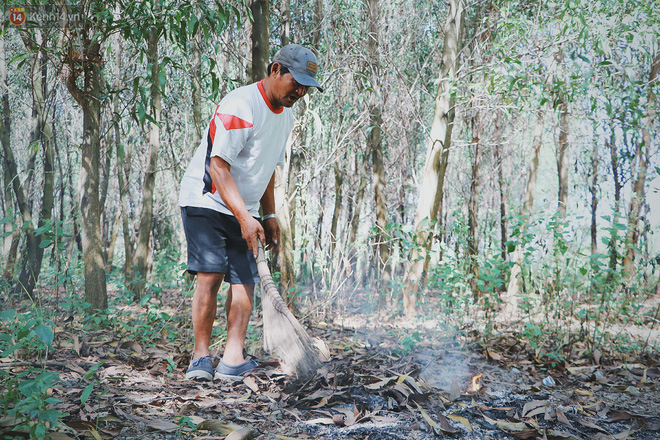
x,y
250,227
271,227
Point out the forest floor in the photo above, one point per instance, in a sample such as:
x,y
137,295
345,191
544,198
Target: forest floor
x,y
384,378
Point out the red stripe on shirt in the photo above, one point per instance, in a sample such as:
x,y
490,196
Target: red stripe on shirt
x,y
232,122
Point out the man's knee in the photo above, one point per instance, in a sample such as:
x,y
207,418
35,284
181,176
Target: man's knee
x,y
241,295
209,282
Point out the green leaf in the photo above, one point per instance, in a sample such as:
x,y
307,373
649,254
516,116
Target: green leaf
x,y
86,393
45,333
145,299
50,416
7,315
19,58
92,370
45,243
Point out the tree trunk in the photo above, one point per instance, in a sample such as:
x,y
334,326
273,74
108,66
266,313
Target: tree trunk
x,y
40,137
431,188
29,276
375,147
318,18
473,209
358,197
499,163
614,253
339,181
142,248
10,245
530,190
260,44
285,37
510,298
285,254
642,156
89,99
593,188
197,89
562,156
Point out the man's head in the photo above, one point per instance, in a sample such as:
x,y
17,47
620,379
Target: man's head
x,y
300,62
291,73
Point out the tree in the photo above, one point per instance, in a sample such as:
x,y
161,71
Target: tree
x,y
260,46
375,144
42,137
86,65
152,35
437,157
641,161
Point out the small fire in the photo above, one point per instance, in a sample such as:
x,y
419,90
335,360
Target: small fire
x,y
476,386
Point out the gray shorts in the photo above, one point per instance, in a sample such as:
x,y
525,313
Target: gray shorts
x,y
215,245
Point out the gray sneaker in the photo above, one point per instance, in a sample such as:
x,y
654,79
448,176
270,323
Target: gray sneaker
x,y
234,372
201,368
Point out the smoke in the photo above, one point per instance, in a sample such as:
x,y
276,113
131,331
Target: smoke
x,y
445,371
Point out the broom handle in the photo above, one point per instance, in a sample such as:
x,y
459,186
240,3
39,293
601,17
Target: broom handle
x,y
267,283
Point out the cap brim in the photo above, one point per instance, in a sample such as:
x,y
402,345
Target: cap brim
x,y
305,80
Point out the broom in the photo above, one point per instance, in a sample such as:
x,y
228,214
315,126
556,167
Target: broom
x,y
283,334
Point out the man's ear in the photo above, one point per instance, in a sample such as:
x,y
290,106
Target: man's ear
x,y
275,68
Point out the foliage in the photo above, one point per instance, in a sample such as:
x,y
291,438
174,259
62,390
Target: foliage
x,y
26,395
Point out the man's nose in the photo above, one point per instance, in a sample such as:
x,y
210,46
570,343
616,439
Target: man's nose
x,y
302,90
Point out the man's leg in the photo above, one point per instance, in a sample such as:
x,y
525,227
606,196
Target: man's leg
x,y
204,307
238,308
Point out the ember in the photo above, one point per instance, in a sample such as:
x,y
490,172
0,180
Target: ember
x,y
476,386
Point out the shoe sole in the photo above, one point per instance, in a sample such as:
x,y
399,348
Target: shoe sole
x,y
199,375
221,376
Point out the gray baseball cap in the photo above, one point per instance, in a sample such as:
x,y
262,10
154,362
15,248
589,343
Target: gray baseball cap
x,y
301,62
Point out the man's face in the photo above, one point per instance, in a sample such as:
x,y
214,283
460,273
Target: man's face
x,y
287,90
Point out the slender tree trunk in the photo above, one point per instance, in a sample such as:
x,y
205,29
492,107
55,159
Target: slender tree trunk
x,y
286,263
285,37
437,158
260,44
510,298
530,190
41,137
562,156
358,198
339,182
593,189
10,244
318,18
375,147
114,233
89,99
473,209
642,156
614,253
197,89
142,248
499,163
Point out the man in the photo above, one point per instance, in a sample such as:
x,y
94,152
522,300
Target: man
x,y
230,176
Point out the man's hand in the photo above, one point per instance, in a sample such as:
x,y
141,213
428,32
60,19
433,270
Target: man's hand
x,y
251,230
272,230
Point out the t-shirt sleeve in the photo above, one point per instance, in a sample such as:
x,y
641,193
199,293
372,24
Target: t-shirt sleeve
x,y
231,128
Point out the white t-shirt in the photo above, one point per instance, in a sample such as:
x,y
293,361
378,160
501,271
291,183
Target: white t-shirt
x,y
250,135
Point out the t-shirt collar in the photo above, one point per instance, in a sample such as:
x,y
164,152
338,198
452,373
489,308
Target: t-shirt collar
x,y
268,103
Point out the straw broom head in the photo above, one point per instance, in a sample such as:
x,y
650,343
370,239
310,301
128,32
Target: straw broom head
x,y
283,334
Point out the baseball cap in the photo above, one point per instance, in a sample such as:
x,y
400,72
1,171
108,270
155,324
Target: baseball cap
x,y
301,63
